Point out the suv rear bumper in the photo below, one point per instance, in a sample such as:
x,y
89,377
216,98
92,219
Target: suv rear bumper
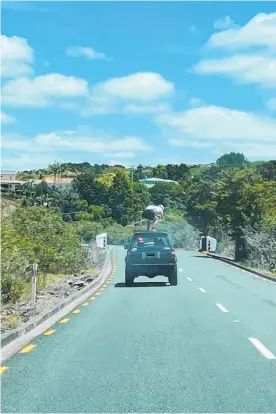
x,y
151,270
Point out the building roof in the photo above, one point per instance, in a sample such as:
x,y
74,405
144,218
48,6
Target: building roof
x,y
51,180
157,180
8,172
3,181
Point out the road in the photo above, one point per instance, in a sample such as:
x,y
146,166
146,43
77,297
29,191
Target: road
x,y
156,348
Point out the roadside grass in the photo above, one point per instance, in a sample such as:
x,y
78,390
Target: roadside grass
x,y
45,281
265,272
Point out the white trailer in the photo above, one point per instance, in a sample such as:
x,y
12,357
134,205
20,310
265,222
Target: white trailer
x,y
208,244
101,241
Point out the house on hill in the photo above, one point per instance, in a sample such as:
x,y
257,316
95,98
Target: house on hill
x,y
150,182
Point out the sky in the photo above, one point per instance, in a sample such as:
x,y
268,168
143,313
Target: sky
x,y
137,82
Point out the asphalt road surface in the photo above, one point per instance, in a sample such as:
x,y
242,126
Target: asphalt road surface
x,y
206,345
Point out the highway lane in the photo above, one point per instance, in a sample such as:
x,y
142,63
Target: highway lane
x,y
153,348
250,299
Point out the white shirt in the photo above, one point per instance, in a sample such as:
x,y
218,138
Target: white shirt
x,y
158,210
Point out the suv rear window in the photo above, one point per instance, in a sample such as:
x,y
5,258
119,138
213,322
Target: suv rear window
x,y
160,241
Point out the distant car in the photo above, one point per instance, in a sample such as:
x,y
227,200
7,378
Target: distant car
x,y
150,254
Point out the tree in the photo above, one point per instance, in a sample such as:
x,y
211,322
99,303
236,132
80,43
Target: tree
x,y
55,170
268,170
233,159
90,189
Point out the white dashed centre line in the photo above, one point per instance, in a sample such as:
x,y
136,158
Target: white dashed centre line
x,y
262,349
222,308
190,280
202,290
180,270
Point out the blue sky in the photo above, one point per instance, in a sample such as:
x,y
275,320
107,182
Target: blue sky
x,y
134,83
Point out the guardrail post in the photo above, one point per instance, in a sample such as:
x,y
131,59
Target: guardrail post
x,y
34,283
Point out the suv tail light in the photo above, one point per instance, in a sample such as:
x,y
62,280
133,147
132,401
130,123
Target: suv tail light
x,y
173,255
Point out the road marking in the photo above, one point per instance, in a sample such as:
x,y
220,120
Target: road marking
x,y
85,304
97,293
102,289
190,280
49,332
180,270
105,285
65,320
262,349
3,369
93,298
202,290
222,308
76,311
27,349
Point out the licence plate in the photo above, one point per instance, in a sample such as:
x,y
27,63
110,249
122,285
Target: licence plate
x,y
150,255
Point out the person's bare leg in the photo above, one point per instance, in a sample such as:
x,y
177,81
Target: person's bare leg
x,y
154,223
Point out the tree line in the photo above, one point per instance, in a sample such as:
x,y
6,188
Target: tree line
x,y
232,200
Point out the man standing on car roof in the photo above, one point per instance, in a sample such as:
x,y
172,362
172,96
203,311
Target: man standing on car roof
x,y
153,213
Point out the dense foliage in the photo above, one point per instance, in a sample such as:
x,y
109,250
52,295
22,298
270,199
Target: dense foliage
x,y
233,200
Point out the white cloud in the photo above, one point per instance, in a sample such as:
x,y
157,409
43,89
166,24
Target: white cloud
x,y
136,93
194,102
247,68
87,52
6,119
81,139
259,31
224,23
16,56
122,155
188,143
26,161
118,162
141,86
271,104
253,151
213,122
155,108
42,90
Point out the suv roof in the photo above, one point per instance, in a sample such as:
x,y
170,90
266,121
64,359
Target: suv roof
x,y
163,233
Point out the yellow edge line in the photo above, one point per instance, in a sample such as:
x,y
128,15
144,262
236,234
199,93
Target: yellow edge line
x,y
49,332
3,369
65,320
27,349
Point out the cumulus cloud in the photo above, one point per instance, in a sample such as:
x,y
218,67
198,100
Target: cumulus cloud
x,y
141,86
257,62
43,90
246,68
189,143
146,109
259,31
213,122
224,23
194,102
87,52
271,104
81,139
6,119
16,56
136,93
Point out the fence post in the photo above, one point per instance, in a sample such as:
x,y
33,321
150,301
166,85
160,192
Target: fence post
x,y
34,282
